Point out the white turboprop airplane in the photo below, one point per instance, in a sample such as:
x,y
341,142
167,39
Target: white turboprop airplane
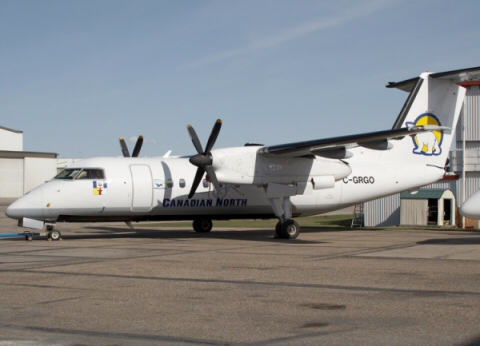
x,y
257,181
471,207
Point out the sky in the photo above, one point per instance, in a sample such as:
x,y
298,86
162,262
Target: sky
x,y
77,75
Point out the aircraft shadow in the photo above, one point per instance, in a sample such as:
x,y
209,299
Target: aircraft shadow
x,y
112,232
105,232
452,241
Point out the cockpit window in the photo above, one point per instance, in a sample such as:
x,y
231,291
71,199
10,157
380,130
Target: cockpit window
x,y
69,173
78,173
90,174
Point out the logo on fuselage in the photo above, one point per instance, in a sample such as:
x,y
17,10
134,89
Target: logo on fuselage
x,y
99,188
427,143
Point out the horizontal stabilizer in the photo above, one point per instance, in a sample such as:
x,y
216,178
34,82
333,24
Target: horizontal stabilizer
x,y
456,76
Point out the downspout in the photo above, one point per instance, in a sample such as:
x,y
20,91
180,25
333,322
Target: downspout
x,y
463,162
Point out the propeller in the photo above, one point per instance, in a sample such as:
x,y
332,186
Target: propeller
x,y
136,150
203,160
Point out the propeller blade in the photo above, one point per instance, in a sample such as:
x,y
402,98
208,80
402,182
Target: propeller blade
x,y
196,181
203,160
138,146
213,135
195,140
125,151
213,177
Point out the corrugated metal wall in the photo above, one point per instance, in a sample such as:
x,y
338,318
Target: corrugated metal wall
x,y
382,212
471,110
414,212
472,183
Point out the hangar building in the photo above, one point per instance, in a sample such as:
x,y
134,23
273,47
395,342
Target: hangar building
x,y
462,180
22,171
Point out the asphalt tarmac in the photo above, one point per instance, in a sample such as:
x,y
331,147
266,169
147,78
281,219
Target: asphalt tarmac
x,y
109,285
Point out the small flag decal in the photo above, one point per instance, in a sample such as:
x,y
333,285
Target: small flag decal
x,y
99,188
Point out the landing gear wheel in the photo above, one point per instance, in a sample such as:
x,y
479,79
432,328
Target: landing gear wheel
x,y
202,225
54,235
278,230
290,229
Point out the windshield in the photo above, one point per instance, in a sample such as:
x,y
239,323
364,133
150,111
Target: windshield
x,y
69,173
79,173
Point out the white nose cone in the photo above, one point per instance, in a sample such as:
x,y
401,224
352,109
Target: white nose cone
x,y
17,209
29,206
471,207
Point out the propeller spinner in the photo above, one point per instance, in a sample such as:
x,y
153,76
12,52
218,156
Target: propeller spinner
x,y
203,160
136,150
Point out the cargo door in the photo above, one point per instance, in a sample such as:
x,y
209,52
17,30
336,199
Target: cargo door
x,y
142,188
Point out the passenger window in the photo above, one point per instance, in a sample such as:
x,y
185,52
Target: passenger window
x,y
205,183
170,183
182,183
92,174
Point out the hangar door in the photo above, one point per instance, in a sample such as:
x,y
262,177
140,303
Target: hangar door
x,y
11,178
142,187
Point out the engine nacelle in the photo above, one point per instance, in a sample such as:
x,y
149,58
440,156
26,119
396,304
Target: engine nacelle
x,y
323,182
242,165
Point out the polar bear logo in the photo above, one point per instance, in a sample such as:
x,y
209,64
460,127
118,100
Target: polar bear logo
x,y
427,143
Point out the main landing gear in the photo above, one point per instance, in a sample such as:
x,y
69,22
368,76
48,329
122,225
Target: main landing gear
x,y
286,228
202,225
52,233
289,229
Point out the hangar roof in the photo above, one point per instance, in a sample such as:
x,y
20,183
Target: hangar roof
x,y
23,154
425,194
11,130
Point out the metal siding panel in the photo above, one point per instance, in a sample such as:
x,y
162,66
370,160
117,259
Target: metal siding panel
x,y
383,212
471,109
414,212
472,183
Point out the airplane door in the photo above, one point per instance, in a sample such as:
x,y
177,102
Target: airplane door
x,y
142,187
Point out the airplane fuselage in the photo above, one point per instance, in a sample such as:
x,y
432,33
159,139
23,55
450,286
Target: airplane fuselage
x,y
255,181
142,189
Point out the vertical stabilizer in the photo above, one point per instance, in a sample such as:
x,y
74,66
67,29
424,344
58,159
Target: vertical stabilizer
x,y
435,99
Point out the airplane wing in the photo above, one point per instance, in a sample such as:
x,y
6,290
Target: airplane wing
x,y
336,147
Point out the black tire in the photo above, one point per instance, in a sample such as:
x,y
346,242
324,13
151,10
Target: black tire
x,y
55,235
278,230
202,225
290,229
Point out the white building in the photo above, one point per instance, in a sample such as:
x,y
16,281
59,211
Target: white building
x,y
21,171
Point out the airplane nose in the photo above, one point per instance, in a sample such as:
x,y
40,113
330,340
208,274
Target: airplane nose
x,y
17,209
471,207
29,206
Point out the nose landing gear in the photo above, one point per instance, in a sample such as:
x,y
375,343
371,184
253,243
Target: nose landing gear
x,y
52,233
